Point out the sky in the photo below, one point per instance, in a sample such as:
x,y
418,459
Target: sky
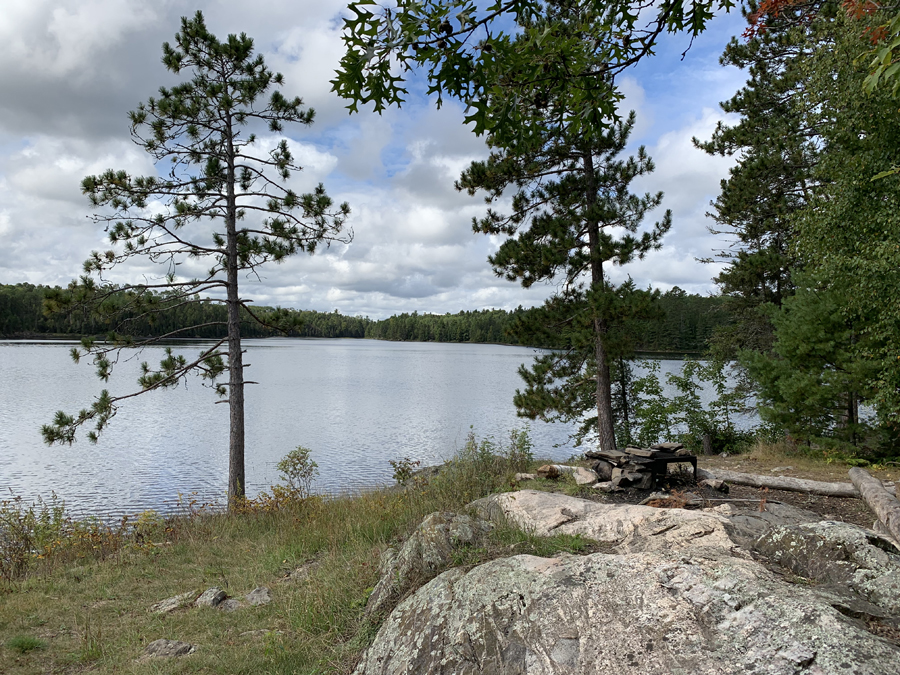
x,y
70,70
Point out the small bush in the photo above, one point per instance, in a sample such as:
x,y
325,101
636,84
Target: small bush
x,y
404,469
298,471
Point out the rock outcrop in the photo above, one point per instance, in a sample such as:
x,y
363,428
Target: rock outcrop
x,y
640,614
428,550
684,592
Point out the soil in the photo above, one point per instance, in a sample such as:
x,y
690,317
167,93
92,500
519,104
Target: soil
x,y
848,510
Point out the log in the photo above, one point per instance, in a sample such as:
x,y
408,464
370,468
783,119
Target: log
x,y
786,483
883,505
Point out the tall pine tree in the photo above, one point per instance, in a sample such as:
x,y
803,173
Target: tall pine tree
x,y
223,199
571,201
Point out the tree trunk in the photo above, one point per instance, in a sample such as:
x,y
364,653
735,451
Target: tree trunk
x,y
786,483
883,505
236,479
605,430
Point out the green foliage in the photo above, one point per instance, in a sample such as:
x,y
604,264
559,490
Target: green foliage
x,y
404,469
477,54
298,471
43,531
684,417
217,176
25,643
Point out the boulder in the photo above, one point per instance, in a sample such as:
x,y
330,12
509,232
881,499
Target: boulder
x,y
211,597
631,614
168,649
603,469
427,551
259,596
584,476
229,605
519,477
841,554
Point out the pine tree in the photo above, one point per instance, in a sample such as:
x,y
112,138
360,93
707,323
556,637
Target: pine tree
x,y
223,200
571,195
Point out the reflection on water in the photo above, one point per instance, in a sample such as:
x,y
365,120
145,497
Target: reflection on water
x,y
355,403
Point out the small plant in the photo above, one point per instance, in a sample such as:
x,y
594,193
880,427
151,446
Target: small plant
x,y
26,643
404,469
298,471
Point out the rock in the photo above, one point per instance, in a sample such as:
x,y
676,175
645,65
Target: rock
x,y
633,528
606,486
427,551
229,605
584,476
841,554
633,614
301,573
603,469
168,649
613,455
211,597
548,471
258,596
171,604
520,477
639,452
746,525
635,479
667,447
715,484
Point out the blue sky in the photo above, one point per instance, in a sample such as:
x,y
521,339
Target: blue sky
x,y
70,70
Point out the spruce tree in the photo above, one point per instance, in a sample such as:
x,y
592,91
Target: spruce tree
x,y
775,143
219,198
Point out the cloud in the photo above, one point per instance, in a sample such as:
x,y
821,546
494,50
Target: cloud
x,y
70,71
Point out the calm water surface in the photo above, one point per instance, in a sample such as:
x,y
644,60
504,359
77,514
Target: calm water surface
x,y
355,403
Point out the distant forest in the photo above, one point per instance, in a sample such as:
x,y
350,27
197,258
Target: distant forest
x,y
685,324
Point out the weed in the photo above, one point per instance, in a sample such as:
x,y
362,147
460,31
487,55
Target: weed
x,y
25,643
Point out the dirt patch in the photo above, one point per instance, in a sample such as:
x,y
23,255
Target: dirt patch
x,y
848,510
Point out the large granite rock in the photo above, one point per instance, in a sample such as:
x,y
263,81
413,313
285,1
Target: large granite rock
x,y
632,528
427,551
683,594
637,614
841,554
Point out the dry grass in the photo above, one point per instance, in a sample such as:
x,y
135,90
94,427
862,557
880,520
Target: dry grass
x,y
92,613
797,461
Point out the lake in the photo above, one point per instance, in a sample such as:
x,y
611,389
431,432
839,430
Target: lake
x,y
355,403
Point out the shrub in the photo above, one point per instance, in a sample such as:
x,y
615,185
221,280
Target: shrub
x,y
298,471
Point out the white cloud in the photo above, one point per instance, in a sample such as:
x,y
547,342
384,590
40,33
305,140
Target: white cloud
x,y
70,70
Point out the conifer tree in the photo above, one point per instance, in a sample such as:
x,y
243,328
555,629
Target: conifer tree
x,y
571,199
775,143
219,198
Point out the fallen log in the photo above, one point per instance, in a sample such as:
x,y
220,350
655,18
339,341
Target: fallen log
x,y
883,505
786,483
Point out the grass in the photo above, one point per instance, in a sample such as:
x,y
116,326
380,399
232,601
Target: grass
x,y
88,607
78,601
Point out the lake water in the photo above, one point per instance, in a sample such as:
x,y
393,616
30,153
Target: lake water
x,y
355,403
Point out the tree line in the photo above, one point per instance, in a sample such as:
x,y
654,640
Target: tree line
x,y
684,324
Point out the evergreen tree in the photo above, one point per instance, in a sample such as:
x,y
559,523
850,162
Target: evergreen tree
x,y
571,194
775,142
223,200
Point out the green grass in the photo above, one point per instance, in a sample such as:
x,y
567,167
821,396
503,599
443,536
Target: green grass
x,y
88,606
25,643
